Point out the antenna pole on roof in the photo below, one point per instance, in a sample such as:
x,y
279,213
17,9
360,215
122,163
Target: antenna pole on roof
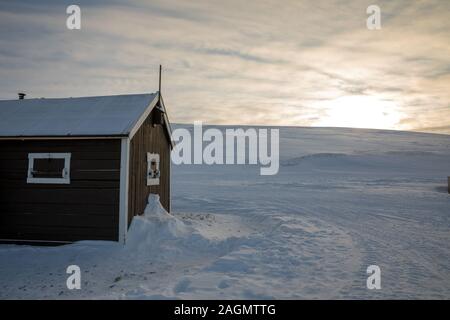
x,y
160,71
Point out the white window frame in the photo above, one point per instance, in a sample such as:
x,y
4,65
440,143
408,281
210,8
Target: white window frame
x,y
153,178
65,179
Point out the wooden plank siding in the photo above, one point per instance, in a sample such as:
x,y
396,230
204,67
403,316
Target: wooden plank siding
x,y
85,209
154,139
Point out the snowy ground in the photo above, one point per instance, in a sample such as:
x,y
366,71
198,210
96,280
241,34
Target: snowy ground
x,y
344,199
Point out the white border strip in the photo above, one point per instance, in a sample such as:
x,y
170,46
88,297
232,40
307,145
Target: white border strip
x,y
150,158
144,116
167,124
63,180
123,200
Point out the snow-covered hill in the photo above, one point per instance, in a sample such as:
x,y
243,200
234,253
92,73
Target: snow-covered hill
x,y
343,199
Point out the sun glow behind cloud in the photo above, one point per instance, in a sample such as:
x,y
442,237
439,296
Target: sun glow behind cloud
x,y
359,112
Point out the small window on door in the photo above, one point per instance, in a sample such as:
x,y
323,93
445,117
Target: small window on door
x,y
153,172
49,168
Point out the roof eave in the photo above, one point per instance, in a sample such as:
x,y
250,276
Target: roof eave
x,y
65,137
166,121
138,123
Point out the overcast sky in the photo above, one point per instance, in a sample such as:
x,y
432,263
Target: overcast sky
x,y
301,63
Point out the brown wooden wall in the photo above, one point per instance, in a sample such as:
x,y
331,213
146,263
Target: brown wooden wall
x,y
87,208
152,139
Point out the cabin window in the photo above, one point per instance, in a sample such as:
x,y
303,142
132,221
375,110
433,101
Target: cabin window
x,y
153,172
49,168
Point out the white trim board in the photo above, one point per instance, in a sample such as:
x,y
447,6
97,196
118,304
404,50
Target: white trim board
x,y
65,175
124,182
143,116
152,181
167,124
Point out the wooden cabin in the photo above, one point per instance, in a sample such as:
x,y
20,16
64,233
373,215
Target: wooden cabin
x,y
81,168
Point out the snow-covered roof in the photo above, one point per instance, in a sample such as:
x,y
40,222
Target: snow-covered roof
x,y
86,116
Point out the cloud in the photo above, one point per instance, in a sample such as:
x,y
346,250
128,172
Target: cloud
x,y
229,62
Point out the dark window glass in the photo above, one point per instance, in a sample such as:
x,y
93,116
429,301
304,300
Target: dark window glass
x,y
48,168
